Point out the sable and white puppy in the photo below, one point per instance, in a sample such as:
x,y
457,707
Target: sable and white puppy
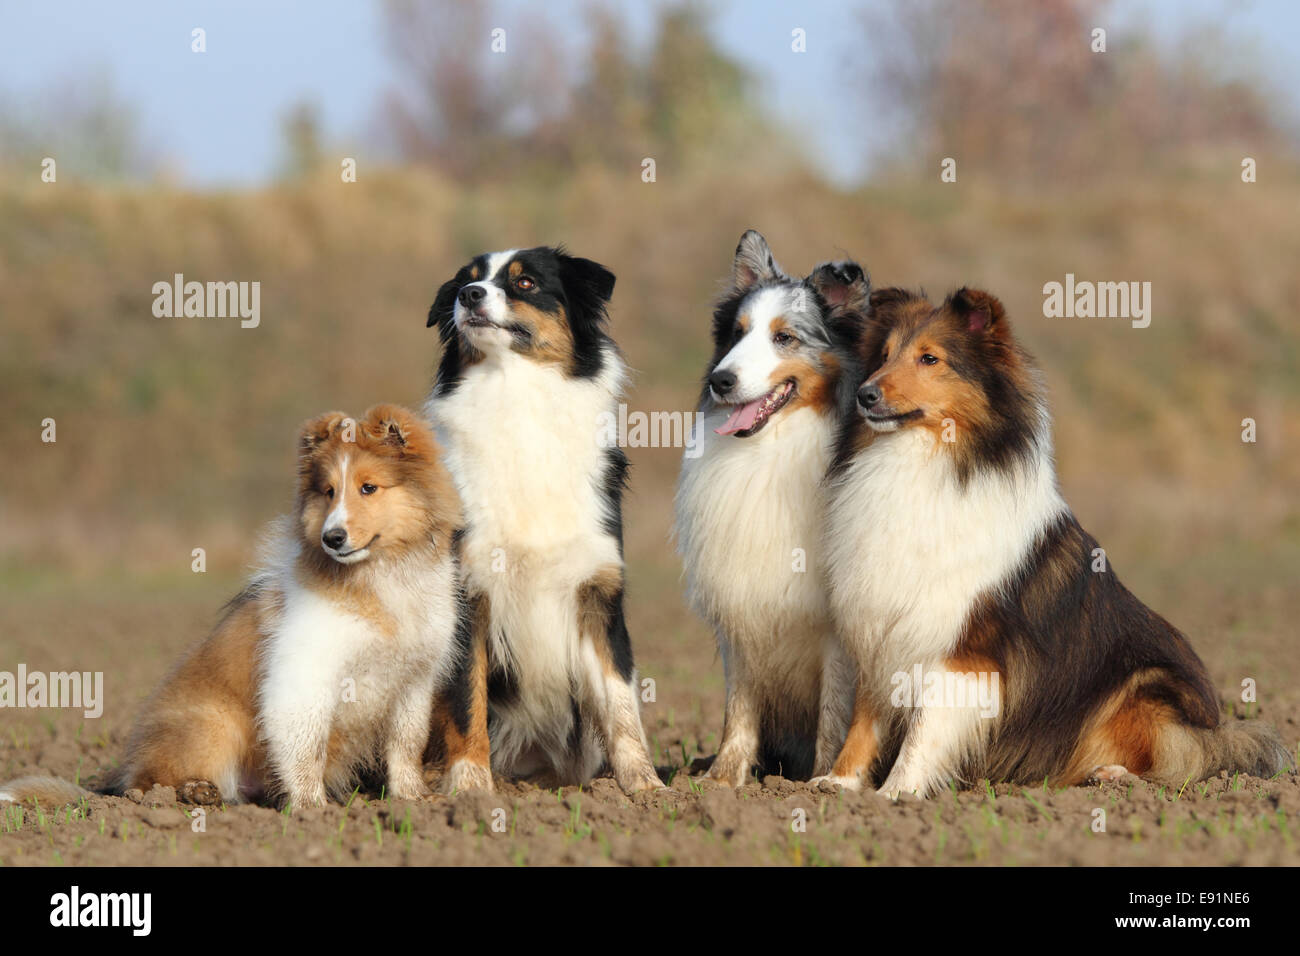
x,y
991,643
327,663
527,372
749,509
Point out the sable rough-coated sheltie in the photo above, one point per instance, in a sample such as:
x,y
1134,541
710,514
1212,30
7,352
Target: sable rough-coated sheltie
x,y
749,509
328,662
953,558
547,683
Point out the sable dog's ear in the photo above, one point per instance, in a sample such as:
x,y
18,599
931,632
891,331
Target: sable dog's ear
x,y
978,310
844,286
754,262
318,430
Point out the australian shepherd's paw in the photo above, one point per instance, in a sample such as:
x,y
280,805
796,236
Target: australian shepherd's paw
x,y
465,775
729,773
408,785
637,776
830,781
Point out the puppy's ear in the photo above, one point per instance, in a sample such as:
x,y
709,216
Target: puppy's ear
x,y
979,311
754,262
844,286
316,432
398,430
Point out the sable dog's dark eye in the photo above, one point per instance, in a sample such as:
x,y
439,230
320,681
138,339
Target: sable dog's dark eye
x,y
928,359
329,492
525,283
368,489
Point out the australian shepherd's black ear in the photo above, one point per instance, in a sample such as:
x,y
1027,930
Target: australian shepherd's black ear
x,y
588,287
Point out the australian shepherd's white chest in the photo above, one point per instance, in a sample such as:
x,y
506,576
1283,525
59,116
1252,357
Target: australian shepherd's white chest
x,y
527,373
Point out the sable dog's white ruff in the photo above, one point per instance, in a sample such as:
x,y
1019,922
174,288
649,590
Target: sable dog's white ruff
x,y
910,550
316,643
742,508
521,442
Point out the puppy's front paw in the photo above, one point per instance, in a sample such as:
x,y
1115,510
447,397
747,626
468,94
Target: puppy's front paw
x,y
465,775
201,793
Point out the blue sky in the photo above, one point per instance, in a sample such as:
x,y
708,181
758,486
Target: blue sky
x,y
216,117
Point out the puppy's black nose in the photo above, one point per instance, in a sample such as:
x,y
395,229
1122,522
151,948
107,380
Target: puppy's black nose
x,y
471,295
722,382
334,538
869,395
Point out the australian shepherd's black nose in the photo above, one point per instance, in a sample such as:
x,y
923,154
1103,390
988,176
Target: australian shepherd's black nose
x,y
547,682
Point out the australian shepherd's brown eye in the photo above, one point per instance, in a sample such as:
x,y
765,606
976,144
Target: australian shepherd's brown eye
x,y
928,359
369,489
525,283
784,338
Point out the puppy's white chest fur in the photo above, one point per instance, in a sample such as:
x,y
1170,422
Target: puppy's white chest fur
x,y
910,549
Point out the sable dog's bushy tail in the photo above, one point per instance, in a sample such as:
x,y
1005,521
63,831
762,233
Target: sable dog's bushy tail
x,y
1237,746
50,791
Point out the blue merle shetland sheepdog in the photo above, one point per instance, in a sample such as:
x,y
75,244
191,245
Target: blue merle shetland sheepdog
x,y
954,562
547,684
749,509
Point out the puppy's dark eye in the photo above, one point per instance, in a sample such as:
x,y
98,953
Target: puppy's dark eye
x,y
329,492
928,359
368,489
525,283
784,338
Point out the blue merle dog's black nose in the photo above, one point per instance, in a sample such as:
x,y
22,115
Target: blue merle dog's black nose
x,y
722,382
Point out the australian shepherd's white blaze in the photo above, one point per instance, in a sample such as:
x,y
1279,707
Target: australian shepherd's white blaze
x,y
953,555
328,662
749,506
548,684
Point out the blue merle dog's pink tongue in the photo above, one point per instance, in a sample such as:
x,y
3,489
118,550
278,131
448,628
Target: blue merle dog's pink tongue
x,y
742,418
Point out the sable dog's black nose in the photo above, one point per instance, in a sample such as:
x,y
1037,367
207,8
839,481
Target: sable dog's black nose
x,y
334,538
869,395
722,382
471,295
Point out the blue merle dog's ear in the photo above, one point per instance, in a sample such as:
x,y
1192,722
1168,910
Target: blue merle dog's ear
x,y
844,286
754,263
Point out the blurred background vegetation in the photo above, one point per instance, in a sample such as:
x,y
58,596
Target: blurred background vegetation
x,y
178,433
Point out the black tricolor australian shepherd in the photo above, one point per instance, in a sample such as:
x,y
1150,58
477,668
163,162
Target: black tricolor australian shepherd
x,y
548,683
992,637
749,509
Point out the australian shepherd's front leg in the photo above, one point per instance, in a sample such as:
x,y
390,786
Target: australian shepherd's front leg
x,y
461,714
611,680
